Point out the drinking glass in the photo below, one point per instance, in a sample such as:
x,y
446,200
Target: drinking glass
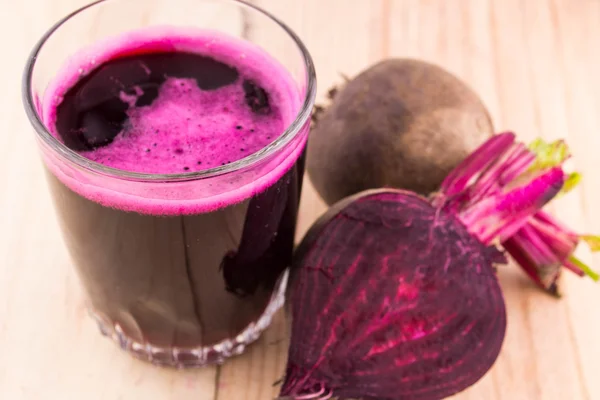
x,y
179,269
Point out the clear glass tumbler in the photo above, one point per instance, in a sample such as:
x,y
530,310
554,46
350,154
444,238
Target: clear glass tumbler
x,y
181,269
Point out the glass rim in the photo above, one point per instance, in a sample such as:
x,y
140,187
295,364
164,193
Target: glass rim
x,y
72,156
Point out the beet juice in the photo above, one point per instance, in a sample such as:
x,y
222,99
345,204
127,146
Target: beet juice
x,y
181,213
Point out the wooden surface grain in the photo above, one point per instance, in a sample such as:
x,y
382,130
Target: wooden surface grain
x,y
535,63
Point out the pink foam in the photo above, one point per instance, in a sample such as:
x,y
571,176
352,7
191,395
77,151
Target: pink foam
x,y
188,129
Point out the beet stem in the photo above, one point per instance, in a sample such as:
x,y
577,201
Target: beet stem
x,y
487,153
492,178
516,251
538,248
498,193
500,216
575,264
518,167
560,241
571,265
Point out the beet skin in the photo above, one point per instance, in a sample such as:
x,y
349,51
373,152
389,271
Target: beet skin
x,y
392,299
401,123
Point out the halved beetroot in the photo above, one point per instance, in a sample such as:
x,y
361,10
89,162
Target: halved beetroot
x,y
392,300
394,296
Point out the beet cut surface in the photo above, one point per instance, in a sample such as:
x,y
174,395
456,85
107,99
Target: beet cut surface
x,y
409,305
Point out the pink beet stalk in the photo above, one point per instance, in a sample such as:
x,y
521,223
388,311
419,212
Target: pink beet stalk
x,y
545,246
498,193
458,180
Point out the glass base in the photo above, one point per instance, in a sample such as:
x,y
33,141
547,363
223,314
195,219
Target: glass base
x,y
199,356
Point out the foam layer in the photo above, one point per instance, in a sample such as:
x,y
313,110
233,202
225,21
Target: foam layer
x,y
188,129
189,144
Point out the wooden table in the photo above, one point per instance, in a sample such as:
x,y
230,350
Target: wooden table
x,y
535,63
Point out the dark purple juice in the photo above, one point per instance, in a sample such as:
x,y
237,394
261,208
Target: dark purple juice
x,y
180,282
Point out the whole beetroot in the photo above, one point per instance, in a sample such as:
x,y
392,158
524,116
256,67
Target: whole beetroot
x,y
402,123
